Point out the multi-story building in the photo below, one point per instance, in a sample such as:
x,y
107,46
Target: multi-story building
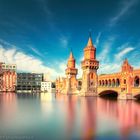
x,y
46,86
29,82
8,77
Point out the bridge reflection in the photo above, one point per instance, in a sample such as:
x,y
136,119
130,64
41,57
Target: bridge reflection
x,y
125,112
84,115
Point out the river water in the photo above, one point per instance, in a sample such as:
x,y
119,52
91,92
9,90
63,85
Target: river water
x,y
49,116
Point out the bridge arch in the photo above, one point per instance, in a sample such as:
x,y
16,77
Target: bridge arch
x,y
137,96
108,93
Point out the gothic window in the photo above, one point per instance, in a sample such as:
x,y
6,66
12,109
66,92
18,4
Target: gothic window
x,y
106,83
117,82
80,83
103,83
113,82
136,81
100,83
91,76
109,82
124,81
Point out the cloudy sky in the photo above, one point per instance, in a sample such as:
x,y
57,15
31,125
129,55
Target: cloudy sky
x,y
37,34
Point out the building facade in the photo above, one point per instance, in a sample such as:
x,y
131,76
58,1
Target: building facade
x,y
29,82
8,77
46,86
88,85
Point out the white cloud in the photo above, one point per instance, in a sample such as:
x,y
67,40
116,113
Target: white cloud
x,y
123,52
123,46
125,8
35,51
25,62
107,68
3,42
104,54
97,39
78,66
110,63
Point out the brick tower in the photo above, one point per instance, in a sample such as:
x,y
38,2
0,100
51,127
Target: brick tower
x,y
126,81
71,72
89,67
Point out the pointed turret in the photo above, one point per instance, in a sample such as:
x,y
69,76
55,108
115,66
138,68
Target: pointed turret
x,y
126,66
125,62
71,61
71,73
71,57
90,42
90,50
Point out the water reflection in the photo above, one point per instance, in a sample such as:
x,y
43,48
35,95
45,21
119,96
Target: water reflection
x,y
68,117
8,106
124,113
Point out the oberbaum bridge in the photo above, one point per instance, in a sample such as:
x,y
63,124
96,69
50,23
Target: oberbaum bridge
x,y
123,85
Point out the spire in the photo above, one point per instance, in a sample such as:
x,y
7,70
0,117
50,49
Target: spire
x,y
90,39
71,61
90,50
71,57
126,61
126,66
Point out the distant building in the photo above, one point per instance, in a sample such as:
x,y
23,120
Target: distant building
x,y
8,77
46,86
29,82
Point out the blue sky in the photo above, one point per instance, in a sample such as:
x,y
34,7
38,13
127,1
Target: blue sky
x,y
37,34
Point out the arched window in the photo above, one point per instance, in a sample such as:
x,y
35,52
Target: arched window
x,y
100,83
103,83
106,83
124,81
136,81
91,75
117,82
113,82
109,82
91,83
79,83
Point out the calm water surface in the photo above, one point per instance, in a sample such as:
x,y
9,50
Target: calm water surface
x,y
58,117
